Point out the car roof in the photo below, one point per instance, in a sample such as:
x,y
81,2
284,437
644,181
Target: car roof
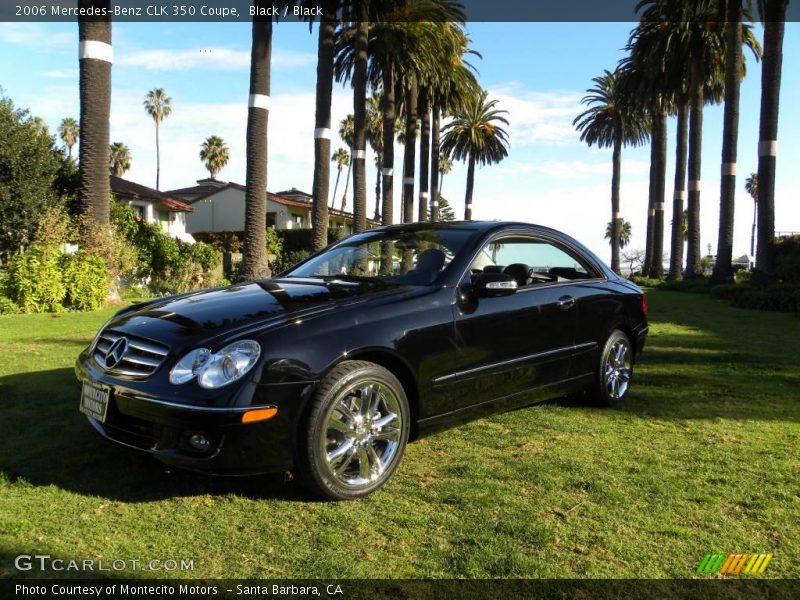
x,y
484,226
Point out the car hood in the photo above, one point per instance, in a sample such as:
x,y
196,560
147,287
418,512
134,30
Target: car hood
x,y
186,319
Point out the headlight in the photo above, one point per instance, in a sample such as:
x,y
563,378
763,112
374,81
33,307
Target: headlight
x,y
214,370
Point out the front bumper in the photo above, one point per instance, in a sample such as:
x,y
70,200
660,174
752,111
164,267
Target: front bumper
x,y
163,428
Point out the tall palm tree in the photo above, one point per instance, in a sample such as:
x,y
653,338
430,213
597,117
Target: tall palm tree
x,y
410,145
375,138
359,70
120,159
95,106
69,130
424,109
751,187
347,133
159,106
215,154
342,159
255,264
612,120
322,124
624,233
475,135
773,15
734,71
445,166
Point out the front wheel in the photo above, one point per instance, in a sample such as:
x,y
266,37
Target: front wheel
x,y
615,371
354,433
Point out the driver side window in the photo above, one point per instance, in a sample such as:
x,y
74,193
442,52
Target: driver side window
x,y
530,261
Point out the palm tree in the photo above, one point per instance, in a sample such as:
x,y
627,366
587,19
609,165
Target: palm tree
x,y
95,106
159,106
120,159
347,133
612,121
322,124
475,135
69,130
359,152
254,265
734,72
751,187
342,159
445,166
773,15
215,154
624,233
375,138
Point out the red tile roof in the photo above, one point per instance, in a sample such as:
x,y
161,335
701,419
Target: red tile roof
x,y
129,190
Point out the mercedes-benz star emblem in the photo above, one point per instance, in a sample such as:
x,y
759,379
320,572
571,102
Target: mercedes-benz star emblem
x,y
116,352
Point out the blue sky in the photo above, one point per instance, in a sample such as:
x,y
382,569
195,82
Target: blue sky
x,y
538,71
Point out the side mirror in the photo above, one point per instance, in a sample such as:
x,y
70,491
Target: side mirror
x,y
489,285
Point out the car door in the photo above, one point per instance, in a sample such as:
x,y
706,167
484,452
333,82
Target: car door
x,y
508,346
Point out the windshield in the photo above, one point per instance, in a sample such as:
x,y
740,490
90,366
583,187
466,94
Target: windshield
x,y
413,257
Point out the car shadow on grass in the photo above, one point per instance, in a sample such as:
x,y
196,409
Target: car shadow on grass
x,y
45,440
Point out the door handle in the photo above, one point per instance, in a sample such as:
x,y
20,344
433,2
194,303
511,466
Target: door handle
x,y
565,302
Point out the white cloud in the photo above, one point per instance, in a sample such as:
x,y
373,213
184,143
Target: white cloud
x,y
62,74
218,58
35,34
575,169
537,118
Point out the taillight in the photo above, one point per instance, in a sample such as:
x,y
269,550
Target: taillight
x,y
644,304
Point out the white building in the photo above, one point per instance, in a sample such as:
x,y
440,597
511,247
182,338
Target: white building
x,y
220,206
155,207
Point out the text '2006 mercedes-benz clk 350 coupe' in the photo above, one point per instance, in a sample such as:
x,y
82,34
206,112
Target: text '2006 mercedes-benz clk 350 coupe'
x,y
331,368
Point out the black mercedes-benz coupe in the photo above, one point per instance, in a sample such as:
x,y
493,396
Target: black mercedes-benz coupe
x,y
330,368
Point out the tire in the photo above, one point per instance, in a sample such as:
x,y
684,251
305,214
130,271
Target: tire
x,y
348,448
614,371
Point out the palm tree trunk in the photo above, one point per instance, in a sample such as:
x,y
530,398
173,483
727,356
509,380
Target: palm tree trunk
x,y
694,267
336,185
95,105
774,24
409,151
255,264
651,194
470,187
424,154
347,181
387,171
616,220
322,127
659,186
158,160
676,250
723,270
753,229
378,192
435,143
360,119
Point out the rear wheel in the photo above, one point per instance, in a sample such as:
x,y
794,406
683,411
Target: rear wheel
x,y
355,431
615,371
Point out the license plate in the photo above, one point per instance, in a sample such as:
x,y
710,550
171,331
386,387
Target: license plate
x,y
94,400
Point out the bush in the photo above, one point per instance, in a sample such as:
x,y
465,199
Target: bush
x,y
646,281
87,279
34,280
290,259
786,253
8,306
780,297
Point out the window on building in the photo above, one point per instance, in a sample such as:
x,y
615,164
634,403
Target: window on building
x,y
272,219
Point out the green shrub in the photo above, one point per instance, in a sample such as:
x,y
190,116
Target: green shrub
x,y
289,259
742,276
698,285
34,280
8,306
787,259
646,281
87,279
780,297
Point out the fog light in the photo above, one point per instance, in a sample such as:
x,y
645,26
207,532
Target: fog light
x,y
199,442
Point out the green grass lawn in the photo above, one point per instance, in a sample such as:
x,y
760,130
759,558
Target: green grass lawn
x,y
702,458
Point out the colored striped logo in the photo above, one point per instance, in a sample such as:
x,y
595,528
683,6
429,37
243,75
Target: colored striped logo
x,y
734,563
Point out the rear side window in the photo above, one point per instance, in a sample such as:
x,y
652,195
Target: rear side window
x,y
531,261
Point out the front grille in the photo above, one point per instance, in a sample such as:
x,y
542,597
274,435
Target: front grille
x,y
140,358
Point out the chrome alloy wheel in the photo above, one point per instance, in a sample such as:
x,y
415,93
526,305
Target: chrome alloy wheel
x,y
362,434
618,370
